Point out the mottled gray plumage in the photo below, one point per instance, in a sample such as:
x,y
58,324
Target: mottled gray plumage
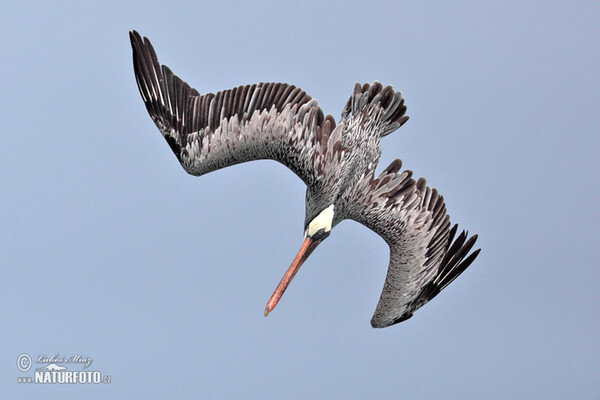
x,y
337,163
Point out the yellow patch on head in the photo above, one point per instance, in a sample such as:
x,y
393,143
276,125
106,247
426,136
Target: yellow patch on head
x,y
321,221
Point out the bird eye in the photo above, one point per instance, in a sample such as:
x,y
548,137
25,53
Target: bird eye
x,y
320,235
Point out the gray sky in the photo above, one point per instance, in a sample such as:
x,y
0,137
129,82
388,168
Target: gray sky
x,y
109,250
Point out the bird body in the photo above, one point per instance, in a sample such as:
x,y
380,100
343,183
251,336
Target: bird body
x,y
336,162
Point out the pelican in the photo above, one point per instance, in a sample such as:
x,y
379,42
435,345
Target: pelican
x,y
337,163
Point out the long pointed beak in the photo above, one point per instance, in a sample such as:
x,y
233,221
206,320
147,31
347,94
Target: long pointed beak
x,y
307,248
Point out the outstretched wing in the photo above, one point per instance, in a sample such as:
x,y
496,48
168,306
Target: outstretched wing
x,y
425,256
207,132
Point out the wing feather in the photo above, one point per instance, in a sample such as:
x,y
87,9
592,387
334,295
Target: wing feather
x,y
207,132
424,256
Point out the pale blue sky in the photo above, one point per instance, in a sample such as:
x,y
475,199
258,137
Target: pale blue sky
x,y
109,250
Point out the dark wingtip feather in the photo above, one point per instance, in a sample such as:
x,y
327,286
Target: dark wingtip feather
x,y
453,264
394,167
385,99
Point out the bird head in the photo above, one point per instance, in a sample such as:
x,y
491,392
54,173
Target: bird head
x,y
317,230
320,227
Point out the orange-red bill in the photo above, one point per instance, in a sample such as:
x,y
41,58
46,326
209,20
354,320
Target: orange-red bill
x,y
307,247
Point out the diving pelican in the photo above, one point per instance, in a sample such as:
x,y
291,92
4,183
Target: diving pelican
x,y
337,163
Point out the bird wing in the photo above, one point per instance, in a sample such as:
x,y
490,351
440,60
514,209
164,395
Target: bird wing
x,y
207,132
424,255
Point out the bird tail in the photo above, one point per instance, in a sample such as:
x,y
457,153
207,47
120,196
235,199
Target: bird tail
x,y
376,102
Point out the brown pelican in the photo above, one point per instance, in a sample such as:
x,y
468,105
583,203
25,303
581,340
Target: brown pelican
x,y
337,163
